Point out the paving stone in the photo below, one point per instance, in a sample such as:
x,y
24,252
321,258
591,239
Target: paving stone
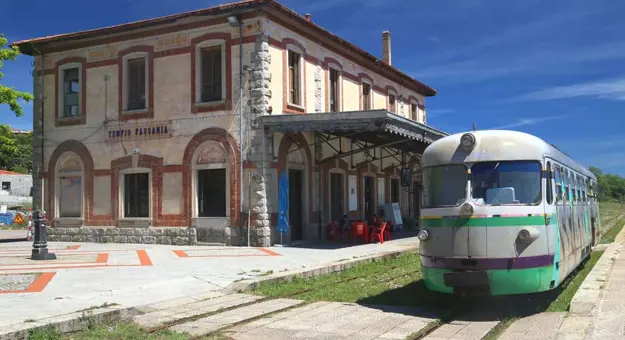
x,y
542,326
16,281
154,319
221,320
462,330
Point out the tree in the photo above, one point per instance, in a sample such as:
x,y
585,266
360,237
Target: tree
x,y
9,95
16,151
611,187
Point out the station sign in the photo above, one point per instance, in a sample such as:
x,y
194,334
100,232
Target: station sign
x,y
133,131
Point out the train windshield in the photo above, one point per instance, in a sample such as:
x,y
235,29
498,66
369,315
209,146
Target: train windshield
x,y
444,186
506,183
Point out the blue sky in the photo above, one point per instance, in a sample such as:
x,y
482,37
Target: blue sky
x,y
553,68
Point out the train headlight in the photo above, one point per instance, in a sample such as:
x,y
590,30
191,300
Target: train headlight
x,y
423,235
466,210
529,234
467,142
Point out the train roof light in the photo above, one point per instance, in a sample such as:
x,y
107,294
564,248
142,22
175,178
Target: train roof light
x,y
467,142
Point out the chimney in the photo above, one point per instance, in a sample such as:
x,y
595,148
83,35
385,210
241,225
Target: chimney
x,y
308,16
386,47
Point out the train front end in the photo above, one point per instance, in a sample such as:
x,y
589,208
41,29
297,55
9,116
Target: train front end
x,y
483,224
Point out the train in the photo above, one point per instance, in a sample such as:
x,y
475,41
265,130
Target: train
x,y
503,213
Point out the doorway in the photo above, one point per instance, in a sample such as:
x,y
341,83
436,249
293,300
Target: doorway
x,y
337,196
369,199
296,203
416,201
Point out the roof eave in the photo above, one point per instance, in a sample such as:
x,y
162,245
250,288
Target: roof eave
x,y
28,46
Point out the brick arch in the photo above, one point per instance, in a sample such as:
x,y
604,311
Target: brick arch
x,y
329,60
287,141
232,147
412,98
390,88
87,162
291,41
144,161
362,76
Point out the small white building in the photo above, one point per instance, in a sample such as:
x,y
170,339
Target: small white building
x,y
15,188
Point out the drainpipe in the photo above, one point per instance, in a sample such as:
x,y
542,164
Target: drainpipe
x,y
38,204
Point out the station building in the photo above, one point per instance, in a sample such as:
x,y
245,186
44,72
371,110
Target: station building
x,y
175,130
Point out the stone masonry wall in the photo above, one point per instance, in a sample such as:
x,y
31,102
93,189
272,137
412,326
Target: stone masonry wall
x,y
260,234
171,236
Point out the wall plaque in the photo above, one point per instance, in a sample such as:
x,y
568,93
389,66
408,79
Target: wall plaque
x,y
151,130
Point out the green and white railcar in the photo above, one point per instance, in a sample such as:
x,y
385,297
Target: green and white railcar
x,y
503,212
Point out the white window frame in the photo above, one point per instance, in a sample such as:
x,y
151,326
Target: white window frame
x,y
300,52
198,70
125,59
370,94
194,185
339,70
61,80
122,190
57,185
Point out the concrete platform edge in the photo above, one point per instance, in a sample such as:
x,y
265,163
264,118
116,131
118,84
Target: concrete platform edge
x,y
323,269
68,323
588,296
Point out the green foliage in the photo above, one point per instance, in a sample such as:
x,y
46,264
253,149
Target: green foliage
x,y
9,95
611,187
44,333
16,151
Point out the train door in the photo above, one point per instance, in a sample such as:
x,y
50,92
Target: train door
x,y
554,216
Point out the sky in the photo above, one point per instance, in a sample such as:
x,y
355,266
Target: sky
x,y
552,68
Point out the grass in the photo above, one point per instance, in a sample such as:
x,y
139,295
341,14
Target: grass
x,y
399,282
15,227
115,331
612,219
393,282
610,236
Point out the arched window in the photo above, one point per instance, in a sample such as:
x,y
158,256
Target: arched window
x,y
70,186
211,180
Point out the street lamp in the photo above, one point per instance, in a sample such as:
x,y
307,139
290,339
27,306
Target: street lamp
x,y
234,21
40,239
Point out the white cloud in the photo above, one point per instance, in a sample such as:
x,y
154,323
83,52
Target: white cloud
x,y
607,89
527,121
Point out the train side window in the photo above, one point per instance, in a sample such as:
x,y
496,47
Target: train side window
x,y
567,184
584,191
558,180
579,188
549,184
574,187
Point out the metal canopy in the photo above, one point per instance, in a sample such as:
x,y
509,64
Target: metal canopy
x,y
366,129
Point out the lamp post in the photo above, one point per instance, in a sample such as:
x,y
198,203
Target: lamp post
x,y
40,239
234,21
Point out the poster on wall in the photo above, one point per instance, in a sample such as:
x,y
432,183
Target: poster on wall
x,y
353,197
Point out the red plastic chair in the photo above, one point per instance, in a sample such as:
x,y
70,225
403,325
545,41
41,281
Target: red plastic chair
x,y
359,231
378,233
